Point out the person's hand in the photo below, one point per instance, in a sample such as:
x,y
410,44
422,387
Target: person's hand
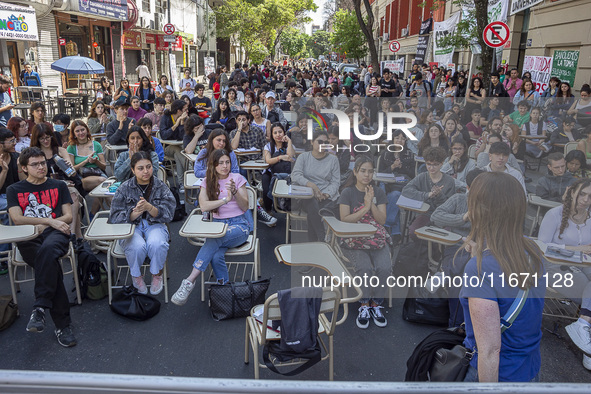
x,y
316,190
4,165
91,159
368,198
435,190
286,139
142,206
124,93
200,131
10,106
470,246
104,118
60,226
453,158
39,228
183,116
231,188
397,164
466,217
121,117
133,149
145,101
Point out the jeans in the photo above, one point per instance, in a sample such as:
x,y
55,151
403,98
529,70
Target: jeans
x,y
214,249
43,254
392,213
533,150
147,241
312,206
371,262
472,375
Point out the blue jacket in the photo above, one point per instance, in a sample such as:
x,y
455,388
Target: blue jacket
x,y
32,79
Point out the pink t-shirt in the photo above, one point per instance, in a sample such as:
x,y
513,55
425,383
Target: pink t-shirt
x,y
230,209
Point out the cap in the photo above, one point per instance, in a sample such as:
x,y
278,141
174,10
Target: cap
x,y
270,94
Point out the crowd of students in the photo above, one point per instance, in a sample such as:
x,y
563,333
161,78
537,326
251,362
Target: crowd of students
x,y
462,131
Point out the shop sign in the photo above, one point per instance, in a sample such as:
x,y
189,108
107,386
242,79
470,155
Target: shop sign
x,y
112,9
150,38
521,5
132,40
161,45
18,23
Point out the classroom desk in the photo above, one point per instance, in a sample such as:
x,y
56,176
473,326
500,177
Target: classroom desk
x,y
437,235
320,255
408,214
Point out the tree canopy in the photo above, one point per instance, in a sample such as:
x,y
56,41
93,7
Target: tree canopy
x,y
348,37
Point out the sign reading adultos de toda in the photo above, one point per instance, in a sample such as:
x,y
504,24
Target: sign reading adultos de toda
x,y
18,23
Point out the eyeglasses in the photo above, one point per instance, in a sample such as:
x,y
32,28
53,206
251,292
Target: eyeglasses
x,y
322,141
458,148
45,138
38,164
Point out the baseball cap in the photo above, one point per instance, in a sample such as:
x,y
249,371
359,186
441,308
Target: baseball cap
x,y
270,94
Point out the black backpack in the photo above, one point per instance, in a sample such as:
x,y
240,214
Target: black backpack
x,y
92,274
179,211
300,307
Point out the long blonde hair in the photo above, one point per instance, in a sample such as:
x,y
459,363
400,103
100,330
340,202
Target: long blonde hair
x,y
496,207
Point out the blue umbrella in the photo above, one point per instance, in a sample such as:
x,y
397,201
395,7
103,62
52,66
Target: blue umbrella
x,y
78,65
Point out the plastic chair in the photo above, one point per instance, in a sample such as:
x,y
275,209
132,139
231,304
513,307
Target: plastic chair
x,y
258,334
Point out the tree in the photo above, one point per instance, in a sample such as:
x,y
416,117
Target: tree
x,y
347,36
320,43
469,31
366,25
293,42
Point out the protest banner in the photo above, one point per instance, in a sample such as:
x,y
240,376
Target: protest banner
x,y
540,68
564,66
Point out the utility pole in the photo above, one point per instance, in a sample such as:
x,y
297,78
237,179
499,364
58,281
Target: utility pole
x,y
169,47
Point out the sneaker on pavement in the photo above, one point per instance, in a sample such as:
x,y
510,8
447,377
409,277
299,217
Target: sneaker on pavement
x,y
37,321
264,217
156,285
587,362
3,268
363,317
182,294
378,318
66,337
580,333
139,284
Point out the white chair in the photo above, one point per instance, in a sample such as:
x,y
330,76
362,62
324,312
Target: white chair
x,y
239,270
258,335
570,146
472,152
291,116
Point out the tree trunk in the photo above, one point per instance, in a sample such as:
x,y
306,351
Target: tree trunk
x,y
367,29
481,13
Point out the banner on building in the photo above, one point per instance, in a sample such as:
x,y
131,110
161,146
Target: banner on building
x,y
395,66
564,66
209,65
521,5
422,46
426,26
540,68
132,40
111,9
18,23
444,54
173,73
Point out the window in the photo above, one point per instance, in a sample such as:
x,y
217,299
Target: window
x,y
146,5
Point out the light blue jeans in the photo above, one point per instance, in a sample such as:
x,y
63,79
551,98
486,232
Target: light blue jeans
x,y
148,240
214,249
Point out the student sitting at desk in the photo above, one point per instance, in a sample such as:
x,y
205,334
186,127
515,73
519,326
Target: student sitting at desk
x,y
398,163
362,202
245,136
172,127
195,137
280,155
146,125
147,202
218,139
224,195
458,164
567,226
137,141
320,171
432,187
552,186
118,128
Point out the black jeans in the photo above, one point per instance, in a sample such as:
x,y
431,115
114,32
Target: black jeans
x,y
266,183
316,231
43,254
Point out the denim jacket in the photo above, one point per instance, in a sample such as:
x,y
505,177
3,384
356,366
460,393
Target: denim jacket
x,y
128,195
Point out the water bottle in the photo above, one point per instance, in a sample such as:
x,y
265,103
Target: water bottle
x,y
61,163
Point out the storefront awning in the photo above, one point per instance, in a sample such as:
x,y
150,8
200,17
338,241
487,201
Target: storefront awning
x,y
18,23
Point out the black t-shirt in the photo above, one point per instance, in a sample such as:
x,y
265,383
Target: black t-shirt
x,y
12,176
205,101
39,201
201,142
352,197
390,85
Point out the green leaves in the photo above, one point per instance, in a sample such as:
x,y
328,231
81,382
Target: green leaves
x,y
348,37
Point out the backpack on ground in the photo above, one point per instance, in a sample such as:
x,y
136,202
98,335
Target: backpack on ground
x,y
300,307
423,307
179,211
92,274
8,312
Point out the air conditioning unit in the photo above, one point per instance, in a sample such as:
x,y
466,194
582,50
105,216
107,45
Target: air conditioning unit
x,y
385,37
404,32
159,21
144,23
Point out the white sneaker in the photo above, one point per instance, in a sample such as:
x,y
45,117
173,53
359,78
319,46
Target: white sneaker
x,y
139,284
587,362
182,294
580,333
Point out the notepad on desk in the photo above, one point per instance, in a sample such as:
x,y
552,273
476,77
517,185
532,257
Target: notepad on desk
x,y
409,202
300,190
198,182
246,149
385,175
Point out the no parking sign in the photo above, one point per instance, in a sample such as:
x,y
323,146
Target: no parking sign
x,y
496,34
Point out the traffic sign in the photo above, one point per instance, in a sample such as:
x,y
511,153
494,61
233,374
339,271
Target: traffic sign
x,y
169,38
394,46
168,29
496,34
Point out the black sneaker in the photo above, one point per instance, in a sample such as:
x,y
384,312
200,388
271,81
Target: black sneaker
x,y
3,268
65,337
363,317
377,316
37,321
